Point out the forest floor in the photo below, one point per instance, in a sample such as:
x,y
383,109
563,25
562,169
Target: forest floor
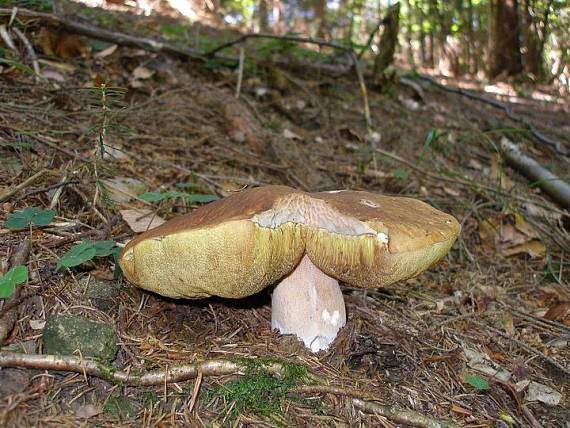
x,y
481,339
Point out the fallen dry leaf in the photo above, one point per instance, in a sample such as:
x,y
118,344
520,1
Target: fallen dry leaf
x,y
538,392
557,312
88,411
290,135
511,235
534,248
123,189
141,220
501,180
460,410
142,73
106,52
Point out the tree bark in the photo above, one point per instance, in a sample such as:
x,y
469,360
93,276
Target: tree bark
x,y
388,42
507,53
262,15
320,9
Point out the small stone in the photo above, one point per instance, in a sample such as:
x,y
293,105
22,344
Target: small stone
x,y
104,295
66,334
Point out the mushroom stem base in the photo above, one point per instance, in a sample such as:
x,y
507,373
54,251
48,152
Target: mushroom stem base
x,y
309,304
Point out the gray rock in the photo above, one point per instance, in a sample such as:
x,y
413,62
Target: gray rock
x,y
103,295
66,334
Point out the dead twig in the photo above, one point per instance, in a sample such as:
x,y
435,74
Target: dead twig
x,y
526,347
58,186
554,186
6,38
31,52
363,91
296,39
74,26
401,416
240,71
506,107
465,183
208,368
8,194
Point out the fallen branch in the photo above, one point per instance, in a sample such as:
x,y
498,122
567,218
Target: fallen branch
x,y
31,52
408,417
94,32
296,39
552,185
28,182
472,184
361,400
506,107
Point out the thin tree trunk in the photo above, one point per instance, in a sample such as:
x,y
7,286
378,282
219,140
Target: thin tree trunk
x,y
388,42
507,44
320,9
262,15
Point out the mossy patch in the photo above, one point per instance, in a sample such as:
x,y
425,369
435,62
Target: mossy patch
x,y
119,406
261,390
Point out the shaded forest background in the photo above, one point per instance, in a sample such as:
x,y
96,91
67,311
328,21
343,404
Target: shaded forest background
x,y
483,38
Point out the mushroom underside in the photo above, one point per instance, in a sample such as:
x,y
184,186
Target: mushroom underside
x,y
309,304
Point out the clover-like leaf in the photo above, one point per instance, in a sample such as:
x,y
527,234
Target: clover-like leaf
x,y
86,250
200,198
151,196
190,197
78,254
15,276
479,383
104,248
31,215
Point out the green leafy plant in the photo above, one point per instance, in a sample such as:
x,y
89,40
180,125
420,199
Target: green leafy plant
x,y
431,137
401,174
86,250
14,277
30,216
477,382
259,391
189,197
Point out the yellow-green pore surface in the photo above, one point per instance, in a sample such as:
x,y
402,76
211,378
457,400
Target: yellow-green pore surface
x,y
239,245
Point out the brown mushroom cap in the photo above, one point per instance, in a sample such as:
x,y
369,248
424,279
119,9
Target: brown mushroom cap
x,y
239,245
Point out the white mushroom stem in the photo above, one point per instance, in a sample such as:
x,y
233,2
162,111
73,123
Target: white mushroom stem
x,y
309,304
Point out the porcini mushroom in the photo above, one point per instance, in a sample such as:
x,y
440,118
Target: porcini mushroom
x,y
305,243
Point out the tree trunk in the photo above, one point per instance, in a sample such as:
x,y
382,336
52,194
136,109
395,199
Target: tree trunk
x,y
388,42
470,45
409,34
262,15
507,54
320,9
421,32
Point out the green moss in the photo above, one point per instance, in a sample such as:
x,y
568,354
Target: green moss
x,y
150,398
107,372
260,390
119,406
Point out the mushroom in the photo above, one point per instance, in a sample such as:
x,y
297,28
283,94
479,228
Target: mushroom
x,y
305,243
